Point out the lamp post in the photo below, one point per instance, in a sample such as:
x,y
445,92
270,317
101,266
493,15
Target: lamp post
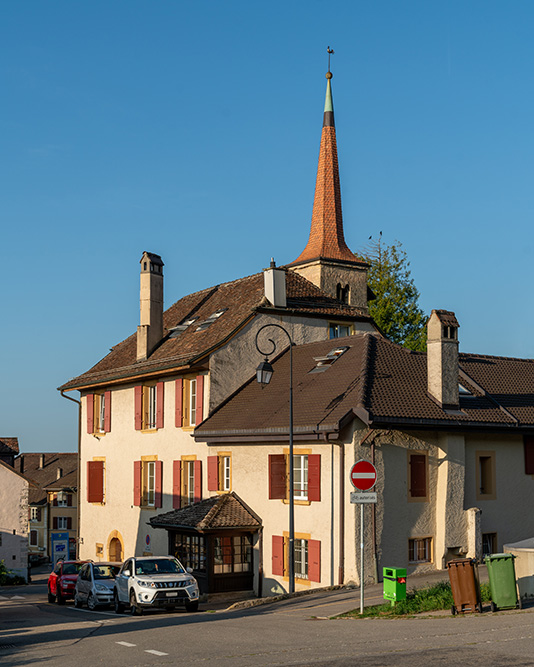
x,y
264,373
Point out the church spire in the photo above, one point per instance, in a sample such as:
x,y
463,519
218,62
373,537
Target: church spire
x,y
326,239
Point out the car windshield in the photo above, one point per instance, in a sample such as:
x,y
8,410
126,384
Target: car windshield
x,y
106,571
156,566
71,568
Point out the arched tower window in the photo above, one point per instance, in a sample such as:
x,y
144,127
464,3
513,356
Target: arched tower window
x,y
343,293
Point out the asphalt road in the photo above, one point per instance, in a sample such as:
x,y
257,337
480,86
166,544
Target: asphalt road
x,y
292,632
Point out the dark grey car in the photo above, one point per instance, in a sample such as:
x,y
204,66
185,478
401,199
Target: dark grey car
x,y
95,584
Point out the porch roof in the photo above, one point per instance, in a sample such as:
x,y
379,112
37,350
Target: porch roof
x,y
227,510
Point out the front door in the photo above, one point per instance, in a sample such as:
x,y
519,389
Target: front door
x,y
115,550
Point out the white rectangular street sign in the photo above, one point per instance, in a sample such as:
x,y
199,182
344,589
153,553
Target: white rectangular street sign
x,y
356,497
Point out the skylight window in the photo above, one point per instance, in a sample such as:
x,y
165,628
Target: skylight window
x,y
211,319
176,331
325,362
463,391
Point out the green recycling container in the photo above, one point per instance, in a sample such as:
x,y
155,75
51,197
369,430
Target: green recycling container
x,y
501,573
394,583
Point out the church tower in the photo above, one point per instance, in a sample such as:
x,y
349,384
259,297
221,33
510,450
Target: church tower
x,y
326,260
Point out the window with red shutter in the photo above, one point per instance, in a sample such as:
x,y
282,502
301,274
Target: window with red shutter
x,y
314,477
158,484
137,483
213,473
160,404
90,413
179,402
314,560
199,412
69,523
198,481
278,555
277,476
95,481
55,523
176,484
69,499
107,411
138,393
417,472
528,445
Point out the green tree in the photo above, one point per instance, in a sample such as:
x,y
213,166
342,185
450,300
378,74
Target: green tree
x,y
395,308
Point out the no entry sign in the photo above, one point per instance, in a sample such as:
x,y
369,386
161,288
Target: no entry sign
x,y
363,475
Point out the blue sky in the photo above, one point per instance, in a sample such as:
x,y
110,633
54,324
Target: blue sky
x,y
192,130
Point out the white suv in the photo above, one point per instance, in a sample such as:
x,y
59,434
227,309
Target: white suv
x,y
154,581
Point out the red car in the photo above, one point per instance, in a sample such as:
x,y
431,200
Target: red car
x,y
62,580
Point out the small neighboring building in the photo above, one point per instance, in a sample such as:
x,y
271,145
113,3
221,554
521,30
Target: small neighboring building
x,y
9,448
14,490
53,501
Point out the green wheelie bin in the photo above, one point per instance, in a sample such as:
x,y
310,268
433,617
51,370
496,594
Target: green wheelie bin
x,y
501,573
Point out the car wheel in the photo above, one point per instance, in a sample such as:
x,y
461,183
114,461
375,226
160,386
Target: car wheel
x,y
51,598
91,602
119,607
77,601
134,609
191,606
59,597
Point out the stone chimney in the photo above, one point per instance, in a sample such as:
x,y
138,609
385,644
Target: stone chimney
x,y
442,359
41,461
150,329
274,281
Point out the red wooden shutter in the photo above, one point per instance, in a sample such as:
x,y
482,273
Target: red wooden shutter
x,y
278,555
138,408
277,476
54,523
417,475
197,492
176,484
314,560
29,513
90,413
137,483
314,477
107,411
213,473
95,481
69,523
179,403
160,403
69,499
528,444
54,500
159,480
200,399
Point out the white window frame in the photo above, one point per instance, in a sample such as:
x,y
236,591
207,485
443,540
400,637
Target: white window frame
x,y
423,544
62,499
301,558
192,401
149,469
190,477
300,476
226,473
152,407
62,522
101,415
34,513
335,328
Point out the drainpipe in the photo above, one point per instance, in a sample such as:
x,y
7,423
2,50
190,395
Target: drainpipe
x,y
78,474
260,563
341,571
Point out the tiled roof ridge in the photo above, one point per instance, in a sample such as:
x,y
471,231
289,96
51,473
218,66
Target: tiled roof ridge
x,y
216,509
473,355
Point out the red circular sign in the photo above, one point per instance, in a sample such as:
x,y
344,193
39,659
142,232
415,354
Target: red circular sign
x,y
363,475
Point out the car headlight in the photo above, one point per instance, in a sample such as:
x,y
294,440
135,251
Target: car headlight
x,y
146,584
99,587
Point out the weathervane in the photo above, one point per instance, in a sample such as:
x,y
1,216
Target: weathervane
x,y
330,52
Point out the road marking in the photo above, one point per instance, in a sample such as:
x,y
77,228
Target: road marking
x,y
126,644
155,652
88,611
18,597
3,598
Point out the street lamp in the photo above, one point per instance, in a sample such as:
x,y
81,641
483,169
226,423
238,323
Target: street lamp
x,y
264,373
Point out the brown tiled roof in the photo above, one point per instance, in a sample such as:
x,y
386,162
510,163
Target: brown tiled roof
x,y
46,477
9,445
447,317
241,298
381,382
223,511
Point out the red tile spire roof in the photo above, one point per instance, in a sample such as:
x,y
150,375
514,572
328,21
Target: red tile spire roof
x,y
326,239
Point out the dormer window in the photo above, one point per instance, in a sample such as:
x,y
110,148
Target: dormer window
x,y
211,319
325,362
463,391
176,331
